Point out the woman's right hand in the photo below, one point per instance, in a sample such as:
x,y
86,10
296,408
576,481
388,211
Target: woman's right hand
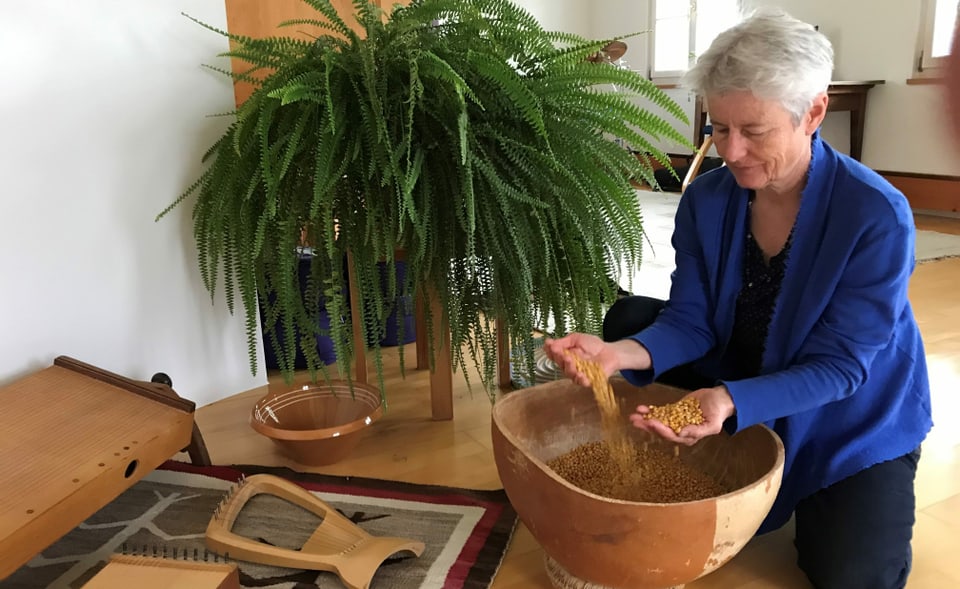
x,y
587,347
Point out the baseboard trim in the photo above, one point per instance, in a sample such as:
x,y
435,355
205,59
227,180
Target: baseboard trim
x,y
929,192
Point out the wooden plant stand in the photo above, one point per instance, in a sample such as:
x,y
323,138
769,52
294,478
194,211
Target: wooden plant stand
x,y
441,373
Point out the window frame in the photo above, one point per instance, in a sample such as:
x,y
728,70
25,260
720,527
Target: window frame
x,y
669,77
925,61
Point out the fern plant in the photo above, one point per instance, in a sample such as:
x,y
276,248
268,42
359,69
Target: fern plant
x,y
458,131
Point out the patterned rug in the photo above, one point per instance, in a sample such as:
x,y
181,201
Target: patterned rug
x,y
933,246
465,532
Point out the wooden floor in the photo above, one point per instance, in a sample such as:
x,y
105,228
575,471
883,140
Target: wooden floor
x,y
407,445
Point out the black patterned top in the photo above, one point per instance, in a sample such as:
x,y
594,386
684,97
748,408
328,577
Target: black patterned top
x,y
755,304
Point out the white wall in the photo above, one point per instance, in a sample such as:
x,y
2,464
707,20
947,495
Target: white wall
x,y
103,111
571,16
615,18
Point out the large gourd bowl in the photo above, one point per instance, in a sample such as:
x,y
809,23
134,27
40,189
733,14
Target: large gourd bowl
x,y
592,541
319,424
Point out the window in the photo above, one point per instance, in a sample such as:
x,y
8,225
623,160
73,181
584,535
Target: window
x,y
936,33
683,29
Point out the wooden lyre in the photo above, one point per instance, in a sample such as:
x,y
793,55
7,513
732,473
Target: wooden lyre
x,y
145,572
337,545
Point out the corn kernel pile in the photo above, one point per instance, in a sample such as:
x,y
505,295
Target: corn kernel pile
x,y
677,415
665,477
617,469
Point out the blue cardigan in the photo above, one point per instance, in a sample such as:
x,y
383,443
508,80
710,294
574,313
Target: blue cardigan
x,y
844,378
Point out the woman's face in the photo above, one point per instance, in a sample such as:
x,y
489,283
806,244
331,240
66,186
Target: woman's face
x,y
759,141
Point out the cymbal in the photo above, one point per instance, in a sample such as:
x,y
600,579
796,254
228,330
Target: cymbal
x,y
610,52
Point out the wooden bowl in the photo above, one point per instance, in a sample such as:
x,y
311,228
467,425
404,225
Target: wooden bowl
x,y
597,542
317,424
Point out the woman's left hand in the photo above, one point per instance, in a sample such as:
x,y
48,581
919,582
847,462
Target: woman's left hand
x,y
716,405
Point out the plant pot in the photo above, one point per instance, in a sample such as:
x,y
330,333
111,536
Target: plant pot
x,y
402,305
325,347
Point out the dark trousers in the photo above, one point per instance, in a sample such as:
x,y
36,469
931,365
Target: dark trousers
x,y
854,534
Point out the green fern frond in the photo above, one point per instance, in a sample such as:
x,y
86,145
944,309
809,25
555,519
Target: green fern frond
x,y
500,73
458,131
240,77
327,9
233,37
320,24
185,194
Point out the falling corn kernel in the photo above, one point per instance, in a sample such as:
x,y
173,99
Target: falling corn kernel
x,y
619,446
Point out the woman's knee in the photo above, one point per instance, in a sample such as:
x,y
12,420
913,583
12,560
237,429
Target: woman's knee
x,y
872,559
843,570
630,315
856,534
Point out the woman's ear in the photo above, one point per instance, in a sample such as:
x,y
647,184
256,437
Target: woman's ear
x,y
818,110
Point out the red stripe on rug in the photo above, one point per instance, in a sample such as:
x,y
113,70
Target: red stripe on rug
x,y
457,575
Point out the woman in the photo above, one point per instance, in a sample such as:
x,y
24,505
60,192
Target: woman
x,y
789,307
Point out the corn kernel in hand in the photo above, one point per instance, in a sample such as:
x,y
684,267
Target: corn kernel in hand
x,y
677,415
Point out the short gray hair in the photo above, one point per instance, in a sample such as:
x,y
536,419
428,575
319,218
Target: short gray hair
x,y
771,55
